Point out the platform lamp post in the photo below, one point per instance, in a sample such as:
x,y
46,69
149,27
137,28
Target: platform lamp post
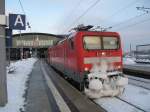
x,y
3,82
29,26
8,33
21,49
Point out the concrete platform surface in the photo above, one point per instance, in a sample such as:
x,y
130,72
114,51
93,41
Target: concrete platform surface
x,y
37,97
49,92
139,67
77,101
139,70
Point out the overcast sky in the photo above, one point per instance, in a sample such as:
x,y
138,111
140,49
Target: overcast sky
x,y
58,16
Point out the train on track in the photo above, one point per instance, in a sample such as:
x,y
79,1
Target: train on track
x,y
91,58
143,53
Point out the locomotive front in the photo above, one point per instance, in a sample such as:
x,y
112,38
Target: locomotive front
x,y
102,64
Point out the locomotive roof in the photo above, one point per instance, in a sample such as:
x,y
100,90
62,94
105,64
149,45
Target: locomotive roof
x,y
103,32
72,34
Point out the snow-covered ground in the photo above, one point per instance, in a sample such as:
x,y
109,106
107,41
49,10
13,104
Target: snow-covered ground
x,y
16,85
137,96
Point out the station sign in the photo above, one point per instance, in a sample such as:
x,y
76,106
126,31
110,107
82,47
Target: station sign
x,y
17,21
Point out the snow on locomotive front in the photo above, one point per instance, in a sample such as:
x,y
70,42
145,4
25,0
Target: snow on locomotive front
x,y
101,54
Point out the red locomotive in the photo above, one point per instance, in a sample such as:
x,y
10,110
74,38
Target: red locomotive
x,y
91,58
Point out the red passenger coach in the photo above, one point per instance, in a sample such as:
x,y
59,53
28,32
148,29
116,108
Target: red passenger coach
x,y
85,52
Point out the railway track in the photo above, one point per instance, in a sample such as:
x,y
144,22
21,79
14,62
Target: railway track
x,y
131,104
135,99
139,79
123,104
139,82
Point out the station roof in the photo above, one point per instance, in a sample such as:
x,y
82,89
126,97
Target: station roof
x,y
35,40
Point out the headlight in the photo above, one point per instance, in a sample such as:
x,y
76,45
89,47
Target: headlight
x,y
119,67
86,69
103,53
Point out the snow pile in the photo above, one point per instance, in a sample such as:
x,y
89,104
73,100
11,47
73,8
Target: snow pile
x,y
11,68
16,82
129,61
101,85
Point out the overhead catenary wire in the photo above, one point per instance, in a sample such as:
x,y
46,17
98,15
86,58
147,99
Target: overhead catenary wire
x,y
85,12
118,24
73,10
121,23
122,9
22,8
134,24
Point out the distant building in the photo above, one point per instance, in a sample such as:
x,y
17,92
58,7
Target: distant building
x,y
31,44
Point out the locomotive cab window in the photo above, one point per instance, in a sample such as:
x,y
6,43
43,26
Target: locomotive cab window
x,y
98,42
110,43
71,44
92,42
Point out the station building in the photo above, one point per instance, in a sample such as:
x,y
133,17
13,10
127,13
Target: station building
x,y
31,44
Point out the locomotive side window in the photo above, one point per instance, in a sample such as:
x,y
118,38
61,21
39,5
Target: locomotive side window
x,y
71,44
92,42
110,43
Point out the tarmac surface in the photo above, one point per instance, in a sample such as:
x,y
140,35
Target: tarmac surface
x,y
49,92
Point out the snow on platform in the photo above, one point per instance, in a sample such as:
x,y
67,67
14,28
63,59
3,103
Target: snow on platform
x,y
16,85
134,95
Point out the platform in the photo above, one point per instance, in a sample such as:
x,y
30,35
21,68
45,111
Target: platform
x,y
140,70
49,92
